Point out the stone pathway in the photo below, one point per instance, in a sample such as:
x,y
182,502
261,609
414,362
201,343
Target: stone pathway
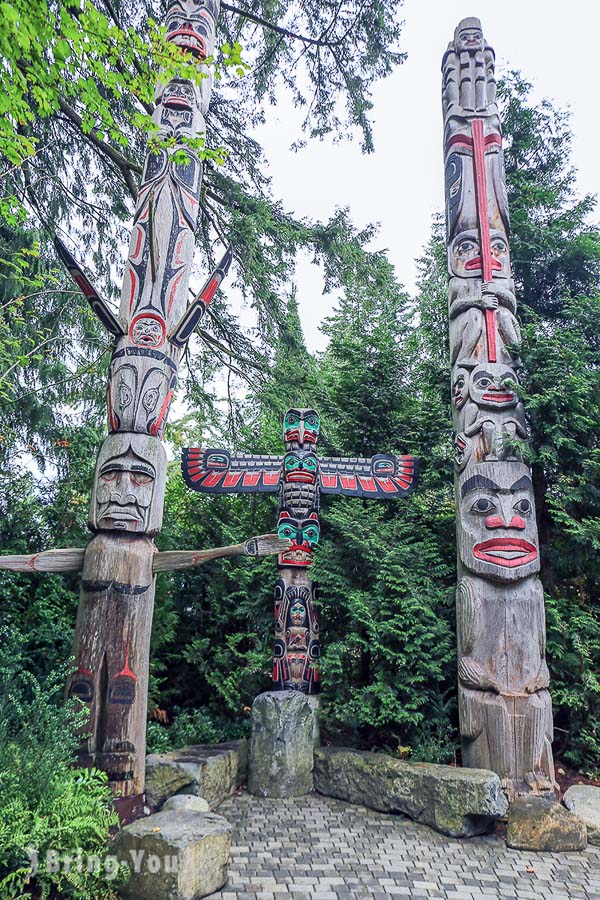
x,y
325,849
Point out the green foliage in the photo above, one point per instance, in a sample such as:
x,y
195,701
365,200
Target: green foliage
x,y
47,805
194,726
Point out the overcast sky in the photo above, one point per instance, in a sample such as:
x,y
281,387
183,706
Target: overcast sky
x,y
400,185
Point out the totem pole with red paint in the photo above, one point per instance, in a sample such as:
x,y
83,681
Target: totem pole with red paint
x,y
300,477
154,323
504,705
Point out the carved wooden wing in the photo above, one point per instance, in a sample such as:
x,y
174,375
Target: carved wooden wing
x,y
215,471
383,476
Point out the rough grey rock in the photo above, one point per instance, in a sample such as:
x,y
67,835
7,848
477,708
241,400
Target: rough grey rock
x,y
281,746
457,802
535,823
211,771
186,801
177,855
584,801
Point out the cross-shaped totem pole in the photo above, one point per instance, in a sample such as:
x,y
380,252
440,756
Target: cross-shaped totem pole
x,y
155,320
300,477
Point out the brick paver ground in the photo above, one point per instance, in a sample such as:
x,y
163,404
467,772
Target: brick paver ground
x,y
320,848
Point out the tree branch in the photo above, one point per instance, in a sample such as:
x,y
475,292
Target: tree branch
x,y
124,165
315,42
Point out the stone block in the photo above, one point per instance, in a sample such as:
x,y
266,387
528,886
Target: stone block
x,y
281,745
174,855
186,801
456,802
535,823
584,801
211,771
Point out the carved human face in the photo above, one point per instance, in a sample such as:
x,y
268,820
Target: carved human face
x,y
148,330
464,255
468,35
191,25
304,533
179,107
125,494
135,406
300,467
297,613
497,527
460,387
301,428
489,386
297,663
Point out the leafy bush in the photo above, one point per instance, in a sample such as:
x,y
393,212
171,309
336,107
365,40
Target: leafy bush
x,y
193,726
47,805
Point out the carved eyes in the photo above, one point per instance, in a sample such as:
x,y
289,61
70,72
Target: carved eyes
x,y
141,478
312,422
498,247
286,531
291,421
523,507
483,506
311,534
466,247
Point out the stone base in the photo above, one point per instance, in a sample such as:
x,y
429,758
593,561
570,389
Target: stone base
x,y
281,746
211,771
584,801
174,855
535,823
457,802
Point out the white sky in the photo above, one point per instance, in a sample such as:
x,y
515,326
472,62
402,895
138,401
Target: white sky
x,y
400,185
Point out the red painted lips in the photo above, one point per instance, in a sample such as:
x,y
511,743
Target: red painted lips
x,y
497,398
301,476
507,552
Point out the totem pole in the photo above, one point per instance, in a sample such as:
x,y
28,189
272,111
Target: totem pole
x,y
112,641
300,477
504,705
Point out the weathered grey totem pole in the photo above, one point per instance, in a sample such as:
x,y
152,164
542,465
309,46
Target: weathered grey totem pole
x,y
504,705
119,564
300,477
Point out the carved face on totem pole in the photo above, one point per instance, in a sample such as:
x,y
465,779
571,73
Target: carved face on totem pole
x,y
468,36
493,386
179,109
497,526
460,387
301,429
464,255
138,394
191,26
129,484
304,534
300,467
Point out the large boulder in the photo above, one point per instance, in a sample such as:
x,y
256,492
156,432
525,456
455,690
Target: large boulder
x,y
174,855
535,823
457,802
281,746
584,801
212,771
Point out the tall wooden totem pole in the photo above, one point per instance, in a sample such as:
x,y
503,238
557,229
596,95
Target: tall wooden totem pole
x,y
504,705
300,477
119,565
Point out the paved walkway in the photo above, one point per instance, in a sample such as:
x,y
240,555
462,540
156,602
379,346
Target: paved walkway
x,y
325,849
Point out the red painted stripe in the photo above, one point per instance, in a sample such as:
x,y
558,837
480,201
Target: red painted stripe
x,y
213,479
348,482
403,482
329,481
209,291
155,428
387,485
367,484
490,333
231,479
271,478
251,479
461,139
484,229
